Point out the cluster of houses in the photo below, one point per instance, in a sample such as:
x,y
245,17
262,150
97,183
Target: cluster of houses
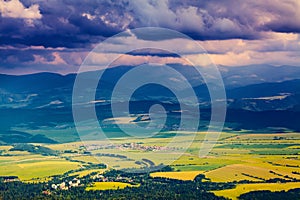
x,y
65,185
101,178
128,146
136,146
7,179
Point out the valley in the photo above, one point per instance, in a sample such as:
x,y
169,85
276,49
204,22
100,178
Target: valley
x,y
44,151
246,162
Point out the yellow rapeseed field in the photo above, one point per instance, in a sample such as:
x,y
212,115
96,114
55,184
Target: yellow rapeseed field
x,y
245,188
188,175
109,186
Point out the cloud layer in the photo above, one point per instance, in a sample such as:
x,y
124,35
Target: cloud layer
x,y
52,32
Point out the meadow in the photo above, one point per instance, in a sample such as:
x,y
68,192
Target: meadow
x,y
35,169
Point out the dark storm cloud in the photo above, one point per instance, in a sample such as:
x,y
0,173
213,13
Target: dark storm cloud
x,y
215,19
67,23
24,56
77,25
153,52
62,25
8,55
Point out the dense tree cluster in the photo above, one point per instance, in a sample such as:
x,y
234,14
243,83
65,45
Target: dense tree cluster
x,y
148,190
36,149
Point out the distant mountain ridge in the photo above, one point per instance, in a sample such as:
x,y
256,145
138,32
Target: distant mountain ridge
x,y
55,90
266,100
255,74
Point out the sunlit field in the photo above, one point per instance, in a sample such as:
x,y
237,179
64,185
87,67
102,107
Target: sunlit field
x,y
108,186
244,188
248,160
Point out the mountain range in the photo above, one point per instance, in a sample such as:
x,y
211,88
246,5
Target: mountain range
x,y
258,96
255,88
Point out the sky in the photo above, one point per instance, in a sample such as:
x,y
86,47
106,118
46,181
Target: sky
x,y
56,35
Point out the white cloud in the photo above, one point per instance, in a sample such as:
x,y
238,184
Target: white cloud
x,y
15,9
89,16
158,13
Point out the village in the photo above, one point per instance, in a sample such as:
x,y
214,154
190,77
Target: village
x,y
128,146
67,184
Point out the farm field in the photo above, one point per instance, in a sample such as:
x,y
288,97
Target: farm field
x,y
83,173
109,186
247,160
251,172
30,170
244,188
189,175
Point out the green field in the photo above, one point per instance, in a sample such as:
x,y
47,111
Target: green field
x,y
28,170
